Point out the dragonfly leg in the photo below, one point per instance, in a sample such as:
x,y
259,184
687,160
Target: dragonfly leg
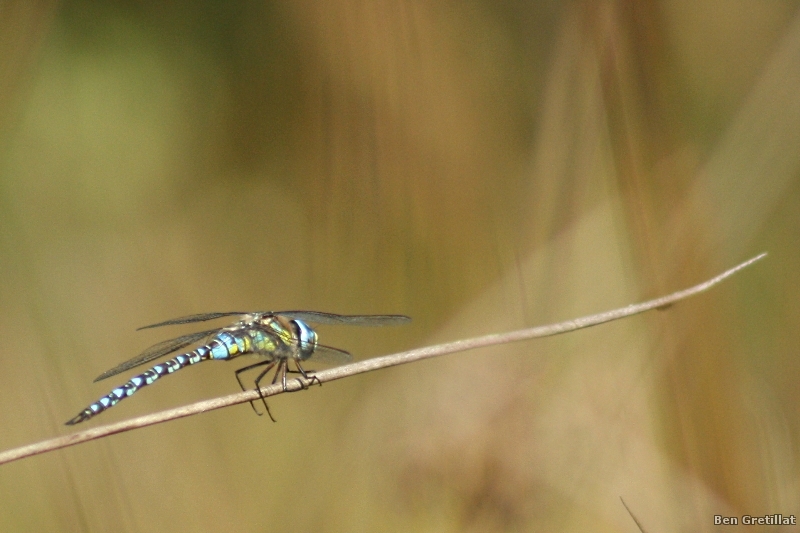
x,y
308,374
258,384
283,366
303,385
269,365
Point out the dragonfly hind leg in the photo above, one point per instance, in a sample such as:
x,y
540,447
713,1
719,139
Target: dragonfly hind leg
x,y
269,365
283,366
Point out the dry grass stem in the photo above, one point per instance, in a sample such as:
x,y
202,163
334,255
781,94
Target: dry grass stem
x,y
368,366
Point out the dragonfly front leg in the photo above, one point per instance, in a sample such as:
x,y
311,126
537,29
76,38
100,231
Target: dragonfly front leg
x,y
308,374
270,365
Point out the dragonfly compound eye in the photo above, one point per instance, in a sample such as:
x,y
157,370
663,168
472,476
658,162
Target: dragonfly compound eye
x,y
306,339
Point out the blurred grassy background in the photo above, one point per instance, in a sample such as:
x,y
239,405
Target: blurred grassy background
x,y
480,166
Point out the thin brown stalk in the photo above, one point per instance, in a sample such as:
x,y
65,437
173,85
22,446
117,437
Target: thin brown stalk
x,y
367,366
632,515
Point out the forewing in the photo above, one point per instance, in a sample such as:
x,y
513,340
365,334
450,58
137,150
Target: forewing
x,y
193,318
156,351
309,316
353,320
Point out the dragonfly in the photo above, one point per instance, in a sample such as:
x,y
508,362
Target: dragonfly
x,y
275,337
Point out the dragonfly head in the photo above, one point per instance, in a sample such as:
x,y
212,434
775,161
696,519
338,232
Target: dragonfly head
x,y
306,339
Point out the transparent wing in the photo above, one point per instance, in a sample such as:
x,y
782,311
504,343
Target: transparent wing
x,y
353,320
309,316
193,318
330,356
156,351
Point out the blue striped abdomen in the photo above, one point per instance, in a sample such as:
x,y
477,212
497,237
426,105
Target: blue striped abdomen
x,y
224,346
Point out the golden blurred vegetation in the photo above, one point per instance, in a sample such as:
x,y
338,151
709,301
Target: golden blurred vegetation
x,y
480,166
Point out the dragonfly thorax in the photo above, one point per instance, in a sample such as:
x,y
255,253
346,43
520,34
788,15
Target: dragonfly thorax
x,y
293,338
